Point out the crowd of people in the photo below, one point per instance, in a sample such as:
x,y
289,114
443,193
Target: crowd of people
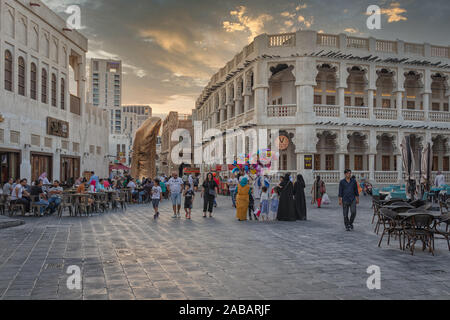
x,y
255,197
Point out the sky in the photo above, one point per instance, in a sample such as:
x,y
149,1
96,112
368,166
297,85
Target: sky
x,y
171,48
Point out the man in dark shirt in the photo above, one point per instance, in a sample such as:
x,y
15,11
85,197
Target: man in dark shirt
x,y
38,196
348,198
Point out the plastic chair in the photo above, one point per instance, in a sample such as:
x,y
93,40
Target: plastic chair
x,y
375,192
386,189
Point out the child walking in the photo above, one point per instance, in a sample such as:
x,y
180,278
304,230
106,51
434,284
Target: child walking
x,y
274,203
189,196
156,197
264,207
251,206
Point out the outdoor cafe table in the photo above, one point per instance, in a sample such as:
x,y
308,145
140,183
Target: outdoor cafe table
x,y
435,214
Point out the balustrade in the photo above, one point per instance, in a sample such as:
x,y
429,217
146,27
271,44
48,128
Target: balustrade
x,y
286,110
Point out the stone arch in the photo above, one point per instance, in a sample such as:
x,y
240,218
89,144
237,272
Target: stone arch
x,y
438,91
413,90
356,87
325,91
282,89
386,84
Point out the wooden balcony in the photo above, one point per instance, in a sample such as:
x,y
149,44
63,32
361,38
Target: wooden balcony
x,y
75,105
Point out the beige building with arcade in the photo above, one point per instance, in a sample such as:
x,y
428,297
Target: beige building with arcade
x,y
342,102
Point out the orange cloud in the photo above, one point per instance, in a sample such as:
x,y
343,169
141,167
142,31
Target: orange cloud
x,y
244,22
394,13
351,30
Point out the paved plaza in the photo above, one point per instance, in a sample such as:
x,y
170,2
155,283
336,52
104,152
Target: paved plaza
x,y
128,255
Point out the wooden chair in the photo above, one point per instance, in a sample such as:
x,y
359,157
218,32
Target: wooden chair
x,y
83,205
66,203
3,204
36,206
14,207
123,200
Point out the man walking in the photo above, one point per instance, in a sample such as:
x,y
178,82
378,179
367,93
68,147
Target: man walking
x,y
348,198
175,187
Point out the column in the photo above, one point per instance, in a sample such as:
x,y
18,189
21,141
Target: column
x,y
229,110
426,105
341,101
342,85
399,92
370,104
25,165
372,167
399,99
57,162
223,111
426,94
246,102
261,89
399,157
341,165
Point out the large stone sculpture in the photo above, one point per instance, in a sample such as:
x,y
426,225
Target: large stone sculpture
x,y
144,149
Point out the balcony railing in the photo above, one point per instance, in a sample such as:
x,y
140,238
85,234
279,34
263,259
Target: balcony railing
x,y
386,176
328,176
326,110
440,52
327,40
282,40
439,116
357,43
385,114
285,110
75,105
357,112
415,48
386,46
413,115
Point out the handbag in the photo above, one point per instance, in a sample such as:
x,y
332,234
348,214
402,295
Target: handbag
x,y
212,192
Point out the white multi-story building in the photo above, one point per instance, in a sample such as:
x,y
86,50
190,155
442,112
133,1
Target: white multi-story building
x,y
338,101
142,112
106,93
46,127
106,83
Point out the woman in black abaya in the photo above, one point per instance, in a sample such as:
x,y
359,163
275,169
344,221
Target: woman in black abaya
x,y
299,196
286,208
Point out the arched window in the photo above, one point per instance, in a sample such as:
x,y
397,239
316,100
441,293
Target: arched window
x,y
44,86
8,71
53,90
63,94
21,76
33,82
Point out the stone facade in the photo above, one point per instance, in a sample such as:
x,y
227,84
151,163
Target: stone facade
x,y
172,122
343,102
39,58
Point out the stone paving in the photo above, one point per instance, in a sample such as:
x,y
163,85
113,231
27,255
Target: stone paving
x,y
128,255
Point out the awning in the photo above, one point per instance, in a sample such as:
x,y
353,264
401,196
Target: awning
x,y
118,166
